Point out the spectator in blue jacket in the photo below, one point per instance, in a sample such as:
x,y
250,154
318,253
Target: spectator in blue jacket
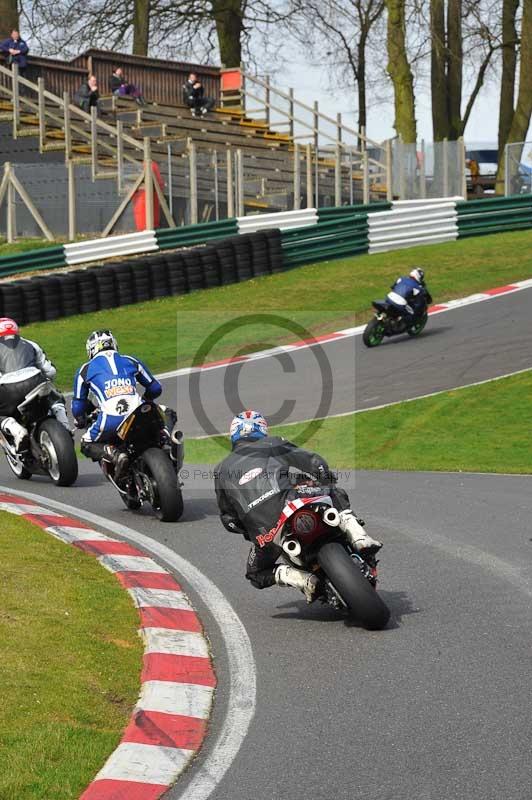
x,y
15,50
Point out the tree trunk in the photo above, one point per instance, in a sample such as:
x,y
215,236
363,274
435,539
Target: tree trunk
x,y
438,78
141,27
454,68
509,64
8,18
361,80
229,18
523,110
400,73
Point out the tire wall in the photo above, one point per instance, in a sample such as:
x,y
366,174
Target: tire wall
x,y
58,295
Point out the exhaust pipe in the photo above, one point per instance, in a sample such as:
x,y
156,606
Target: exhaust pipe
x,y
292,548
176,436
332,517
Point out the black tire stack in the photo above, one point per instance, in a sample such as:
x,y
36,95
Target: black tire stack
x,y
120,283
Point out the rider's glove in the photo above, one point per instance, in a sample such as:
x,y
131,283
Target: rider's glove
x,y
232,525
81,422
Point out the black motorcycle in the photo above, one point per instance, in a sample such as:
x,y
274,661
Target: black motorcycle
x,y
389,321
308,533
51,446
155,451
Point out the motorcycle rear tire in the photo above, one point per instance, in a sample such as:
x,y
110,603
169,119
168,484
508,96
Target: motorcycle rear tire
x,y
362,601
168,504
19,471
417,328
55,438
373,333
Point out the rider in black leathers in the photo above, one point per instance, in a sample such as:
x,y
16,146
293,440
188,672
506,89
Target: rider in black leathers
x,y
254,483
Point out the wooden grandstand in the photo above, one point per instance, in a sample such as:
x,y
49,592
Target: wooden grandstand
x,y
229,162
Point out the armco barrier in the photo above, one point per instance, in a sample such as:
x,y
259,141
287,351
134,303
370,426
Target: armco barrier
x,y
45,258
339,237
480,217
97,249
49,296
284,220
327,214
409,224
190,235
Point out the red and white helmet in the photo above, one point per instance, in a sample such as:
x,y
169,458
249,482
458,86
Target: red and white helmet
x,y
8,328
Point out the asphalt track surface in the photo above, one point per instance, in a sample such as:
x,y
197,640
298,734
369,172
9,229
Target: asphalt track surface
x,y
461,346
436,707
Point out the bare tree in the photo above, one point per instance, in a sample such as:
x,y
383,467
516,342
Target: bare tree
x,y
400,72
509,66
459,31
523,110
342,30
141,27
8,17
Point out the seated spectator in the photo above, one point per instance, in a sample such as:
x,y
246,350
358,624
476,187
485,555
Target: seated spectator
x,y
88,95
121,88
16,50
194,96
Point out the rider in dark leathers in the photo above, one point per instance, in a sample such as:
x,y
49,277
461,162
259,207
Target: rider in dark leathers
x,y
410,295
254,483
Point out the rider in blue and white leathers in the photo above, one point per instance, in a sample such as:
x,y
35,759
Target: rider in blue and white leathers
x,y
410,295
108,381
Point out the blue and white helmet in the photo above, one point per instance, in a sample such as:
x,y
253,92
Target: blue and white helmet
x,y
98,341
418,275
248,425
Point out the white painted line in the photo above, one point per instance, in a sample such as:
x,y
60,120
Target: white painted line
x,y
243,679
179,643
145,763
162,598
185,699
127,563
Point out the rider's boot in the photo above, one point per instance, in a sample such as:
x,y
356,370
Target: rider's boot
x,y
305,581
356,534
118,460
59,412
15,430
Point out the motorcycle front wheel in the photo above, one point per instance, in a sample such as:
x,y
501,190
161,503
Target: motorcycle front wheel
x,y
373,333
358,595
167,498
418,326
59,455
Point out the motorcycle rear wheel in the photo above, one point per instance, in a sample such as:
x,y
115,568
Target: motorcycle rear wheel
x,y
167,496
373,333
58,447
18,469
362,601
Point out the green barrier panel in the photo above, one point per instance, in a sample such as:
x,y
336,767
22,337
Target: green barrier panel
x,y
327,212
496,228
465,207
514,219
198,231
350,221
47,258
340,240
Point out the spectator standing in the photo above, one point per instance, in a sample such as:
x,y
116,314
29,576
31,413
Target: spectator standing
x,y
121,88
88,95
16,51
194,96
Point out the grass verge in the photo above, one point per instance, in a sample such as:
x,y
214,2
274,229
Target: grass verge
x,y
71,662
485,428
323,297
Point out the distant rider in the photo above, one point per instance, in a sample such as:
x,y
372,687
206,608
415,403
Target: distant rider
x,y
23,364
108,382
410,295
252,487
